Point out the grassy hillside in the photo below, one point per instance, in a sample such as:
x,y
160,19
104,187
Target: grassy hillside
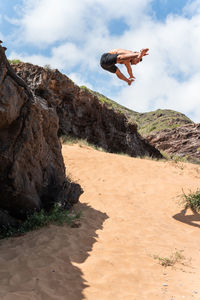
x,y
147,122
160,119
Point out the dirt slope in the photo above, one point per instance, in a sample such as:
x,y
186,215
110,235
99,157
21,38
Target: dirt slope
x,y
129,214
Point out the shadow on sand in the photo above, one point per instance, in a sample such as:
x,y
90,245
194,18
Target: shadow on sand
x,y
188,219
40,264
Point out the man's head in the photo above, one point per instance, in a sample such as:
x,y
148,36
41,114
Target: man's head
x,y
135,61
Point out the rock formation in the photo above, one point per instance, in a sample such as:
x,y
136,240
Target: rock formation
x,y
181,141
82,115
32,171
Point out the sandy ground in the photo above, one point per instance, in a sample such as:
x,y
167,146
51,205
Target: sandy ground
x,y
130,214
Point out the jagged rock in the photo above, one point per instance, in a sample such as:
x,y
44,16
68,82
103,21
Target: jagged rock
x,y
82,115
32,171
182,141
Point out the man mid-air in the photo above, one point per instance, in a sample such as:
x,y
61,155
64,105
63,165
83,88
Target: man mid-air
x,y
120,56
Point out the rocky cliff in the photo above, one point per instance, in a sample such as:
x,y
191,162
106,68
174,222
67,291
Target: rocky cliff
x,y
182,141
163,128
82,115
32,171
148,122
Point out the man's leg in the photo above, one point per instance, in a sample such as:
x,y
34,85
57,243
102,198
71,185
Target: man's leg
x,y
122,77
123,57
128,56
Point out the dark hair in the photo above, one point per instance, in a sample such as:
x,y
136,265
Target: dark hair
x,y
141,59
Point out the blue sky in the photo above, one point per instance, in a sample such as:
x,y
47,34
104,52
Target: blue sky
x,y
71,36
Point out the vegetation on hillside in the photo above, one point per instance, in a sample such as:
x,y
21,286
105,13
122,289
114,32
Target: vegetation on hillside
x,y
160,119
71,140
149,122
109,103
14,61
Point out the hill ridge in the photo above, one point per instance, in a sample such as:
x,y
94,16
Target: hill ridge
x,y
147,121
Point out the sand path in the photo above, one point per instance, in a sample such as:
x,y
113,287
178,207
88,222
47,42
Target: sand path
x,y
129,214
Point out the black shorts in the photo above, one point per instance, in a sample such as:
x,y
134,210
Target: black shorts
x,y
108,62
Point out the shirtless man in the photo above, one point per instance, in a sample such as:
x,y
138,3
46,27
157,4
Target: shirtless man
x,y
121,56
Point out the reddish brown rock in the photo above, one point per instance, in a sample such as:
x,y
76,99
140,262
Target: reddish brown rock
x,y
183,141
82,115
32,171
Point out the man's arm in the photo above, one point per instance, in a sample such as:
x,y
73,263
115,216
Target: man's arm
x,y
121,58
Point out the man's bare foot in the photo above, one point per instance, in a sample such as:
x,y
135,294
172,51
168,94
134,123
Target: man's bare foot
x,y
130,81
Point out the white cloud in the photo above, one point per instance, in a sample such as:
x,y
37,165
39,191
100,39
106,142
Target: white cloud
x,y
156,90
192,7
65,56
48,21
80,80
34,59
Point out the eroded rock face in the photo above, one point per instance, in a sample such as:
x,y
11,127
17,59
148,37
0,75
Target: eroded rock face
x,y
182,141
82,115
32,171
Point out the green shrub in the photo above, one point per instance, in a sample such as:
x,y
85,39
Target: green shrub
x,y
14,61
174,258
104,100
83,87
56,215
192,200
69,140
47,67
